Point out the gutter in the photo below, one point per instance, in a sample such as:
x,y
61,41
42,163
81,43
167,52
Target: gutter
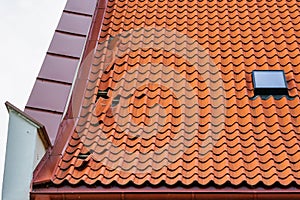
x,y
250,195
162,192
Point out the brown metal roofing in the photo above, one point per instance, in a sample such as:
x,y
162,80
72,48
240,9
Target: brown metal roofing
x,y
59,68
180,105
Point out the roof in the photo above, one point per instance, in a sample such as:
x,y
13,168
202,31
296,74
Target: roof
x,y
180,105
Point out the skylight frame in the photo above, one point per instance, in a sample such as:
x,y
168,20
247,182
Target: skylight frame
x,y
275,90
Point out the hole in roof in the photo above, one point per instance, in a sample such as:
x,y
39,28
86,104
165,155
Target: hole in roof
x,y
269,82
102,94
83,155
116,101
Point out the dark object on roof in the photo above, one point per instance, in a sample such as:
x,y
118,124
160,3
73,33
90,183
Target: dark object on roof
x,y
269,82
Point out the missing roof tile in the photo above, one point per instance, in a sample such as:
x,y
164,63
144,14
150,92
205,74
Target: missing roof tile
x,y
116,101
102,94
83,155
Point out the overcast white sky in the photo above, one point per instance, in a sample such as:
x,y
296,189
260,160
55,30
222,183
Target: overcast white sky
x,y
27,27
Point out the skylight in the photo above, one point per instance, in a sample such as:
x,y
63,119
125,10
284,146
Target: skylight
x,y
267,82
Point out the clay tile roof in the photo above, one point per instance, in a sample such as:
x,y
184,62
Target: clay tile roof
x,y
180,105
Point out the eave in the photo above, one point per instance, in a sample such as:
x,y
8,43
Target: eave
x,y
210,192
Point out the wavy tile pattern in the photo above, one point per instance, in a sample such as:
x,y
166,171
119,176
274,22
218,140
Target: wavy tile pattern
x,y
179,104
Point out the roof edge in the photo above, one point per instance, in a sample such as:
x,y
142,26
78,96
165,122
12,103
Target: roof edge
x,y
237,194
57,72
45,169
40,127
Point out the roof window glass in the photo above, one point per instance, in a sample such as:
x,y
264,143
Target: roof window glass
x,y
267,82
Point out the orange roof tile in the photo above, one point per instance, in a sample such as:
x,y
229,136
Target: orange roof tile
x,y
180,74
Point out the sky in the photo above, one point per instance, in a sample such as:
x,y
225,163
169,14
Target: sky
x,y
27,27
